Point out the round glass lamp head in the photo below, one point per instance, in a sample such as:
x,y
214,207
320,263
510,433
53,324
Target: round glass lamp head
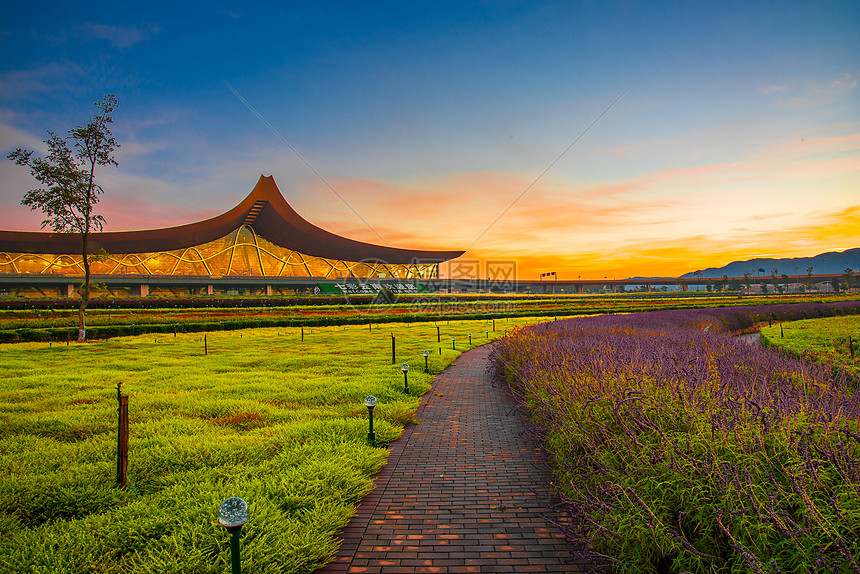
x,y
426,353
404,367
370,401
233,512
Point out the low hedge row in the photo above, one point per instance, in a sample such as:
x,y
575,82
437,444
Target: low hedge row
x,y
756,315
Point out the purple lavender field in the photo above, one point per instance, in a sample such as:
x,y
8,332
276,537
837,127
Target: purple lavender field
x,y
678,448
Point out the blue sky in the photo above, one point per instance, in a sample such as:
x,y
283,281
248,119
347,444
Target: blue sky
x,y
739,135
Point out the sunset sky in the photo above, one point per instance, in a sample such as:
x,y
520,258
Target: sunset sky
x,y
738,135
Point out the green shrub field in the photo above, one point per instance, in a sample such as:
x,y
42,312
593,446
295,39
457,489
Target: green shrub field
x,y
264,415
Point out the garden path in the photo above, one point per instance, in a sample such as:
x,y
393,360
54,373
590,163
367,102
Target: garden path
x,y
463,490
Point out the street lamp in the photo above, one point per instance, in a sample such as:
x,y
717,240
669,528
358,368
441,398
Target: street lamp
x,y
426,367
232,515
370,402
405,368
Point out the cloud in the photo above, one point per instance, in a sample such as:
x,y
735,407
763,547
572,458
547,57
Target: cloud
x,y
53,77
673,256
822,93
120,36
773,89
12,137
793,197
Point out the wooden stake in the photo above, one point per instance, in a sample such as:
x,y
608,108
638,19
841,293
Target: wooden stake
x,y
122,439
393,360
205,345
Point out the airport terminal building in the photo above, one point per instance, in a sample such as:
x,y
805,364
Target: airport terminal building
x,y
260,246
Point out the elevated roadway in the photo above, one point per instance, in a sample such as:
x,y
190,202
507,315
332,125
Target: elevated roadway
x,y
142,285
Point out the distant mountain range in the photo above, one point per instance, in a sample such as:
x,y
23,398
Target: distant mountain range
x,y
833,262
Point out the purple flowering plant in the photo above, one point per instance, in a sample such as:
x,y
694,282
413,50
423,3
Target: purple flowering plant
x,y
677,447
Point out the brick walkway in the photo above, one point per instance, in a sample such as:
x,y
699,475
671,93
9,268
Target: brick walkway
x,y
460,492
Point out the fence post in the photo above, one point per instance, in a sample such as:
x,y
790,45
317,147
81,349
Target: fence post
x,y
393,359
122,438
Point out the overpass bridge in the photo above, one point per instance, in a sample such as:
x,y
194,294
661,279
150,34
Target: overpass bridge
x,y
607,285
143,285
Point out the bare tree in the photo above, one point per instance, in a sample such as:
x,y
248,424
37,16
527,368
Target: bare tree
x,y
70,192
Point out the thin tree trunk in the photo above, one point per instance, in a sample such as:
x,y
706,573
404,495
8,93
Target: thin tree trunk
x,y
85,238
85,294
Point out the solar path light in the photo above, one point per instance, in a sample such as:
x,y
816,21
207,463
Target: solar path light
x,y
454,343
232,515
470,339
405,368
426,367
370,402
488,333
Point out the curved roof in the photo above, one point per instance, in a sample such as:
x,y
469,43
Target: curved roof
x,y
265,210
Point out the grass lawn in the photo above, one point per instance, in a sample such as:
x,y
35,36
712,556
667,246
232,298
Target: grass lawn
x,y
265,416
824,340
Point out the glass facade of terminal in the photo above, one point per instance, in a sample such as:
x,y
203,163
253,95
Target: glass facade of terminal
x,y
242,252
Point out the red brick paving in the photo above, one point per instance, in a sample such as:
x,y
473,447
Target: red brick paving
x,y
461,491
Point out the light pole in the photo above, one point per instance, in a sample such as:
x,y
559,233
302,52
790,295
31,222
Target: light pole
x,y
405,368
370,402
454,343
426,366
232,515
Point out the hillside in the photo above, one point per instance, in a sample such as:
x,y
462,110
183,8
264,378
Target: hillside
x,y
832,262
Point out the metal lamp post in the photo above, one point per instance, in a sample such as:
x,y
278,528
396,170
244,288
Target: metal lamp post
x,y
453,343
488,333
232,515
405,368
426,366
470,339
370,402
